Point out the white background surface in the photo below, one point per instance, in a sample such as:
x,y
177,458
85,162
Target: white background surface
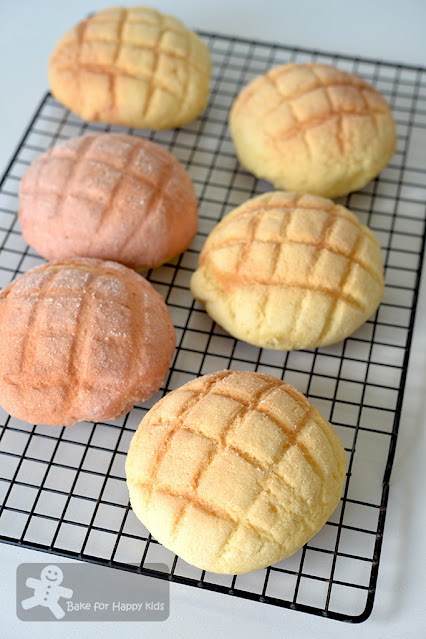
x,y
388,30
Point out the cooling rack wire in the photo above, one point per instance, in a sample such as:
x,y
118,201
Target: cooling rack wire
x,y
63,490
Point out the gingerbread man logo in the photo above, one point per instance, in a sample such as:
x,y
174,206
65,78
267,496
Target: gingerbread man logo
x,y
47,591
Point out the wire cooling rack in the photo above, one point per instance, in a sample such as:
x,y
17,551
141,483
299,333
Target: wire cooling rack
x,y
63,489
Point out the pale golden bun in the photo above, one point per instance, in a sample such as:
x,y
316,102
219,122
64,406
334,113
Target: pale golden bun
x,y
312,128
289,271
81,340
134,67
110,196
234,471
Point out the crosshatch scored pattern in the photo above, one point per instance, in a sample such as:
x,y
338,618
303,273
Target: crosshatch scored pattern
x,y
63,490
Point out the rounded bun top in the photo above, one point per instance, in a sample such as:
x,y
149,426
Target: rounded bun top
x,y
132,66
110,196
289,271
234,471
82,339
312,128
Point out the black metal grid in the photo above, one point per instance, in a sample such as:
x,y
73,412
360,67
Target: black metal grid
x,y
63,489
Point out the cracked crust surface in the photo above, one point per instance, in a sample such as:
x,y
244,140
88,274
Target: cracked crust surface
x,y
312,128
109,196
290,271
234,471
81,340
133,67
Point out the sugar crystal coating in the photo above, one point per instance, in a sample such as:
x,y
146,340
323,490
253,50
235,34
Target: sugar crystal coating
x,y
81,340
312,128
290,271
110,196
133,67
234,471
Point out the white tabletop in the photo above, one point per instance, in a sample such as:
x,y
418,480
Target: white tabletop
x,y
393,31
